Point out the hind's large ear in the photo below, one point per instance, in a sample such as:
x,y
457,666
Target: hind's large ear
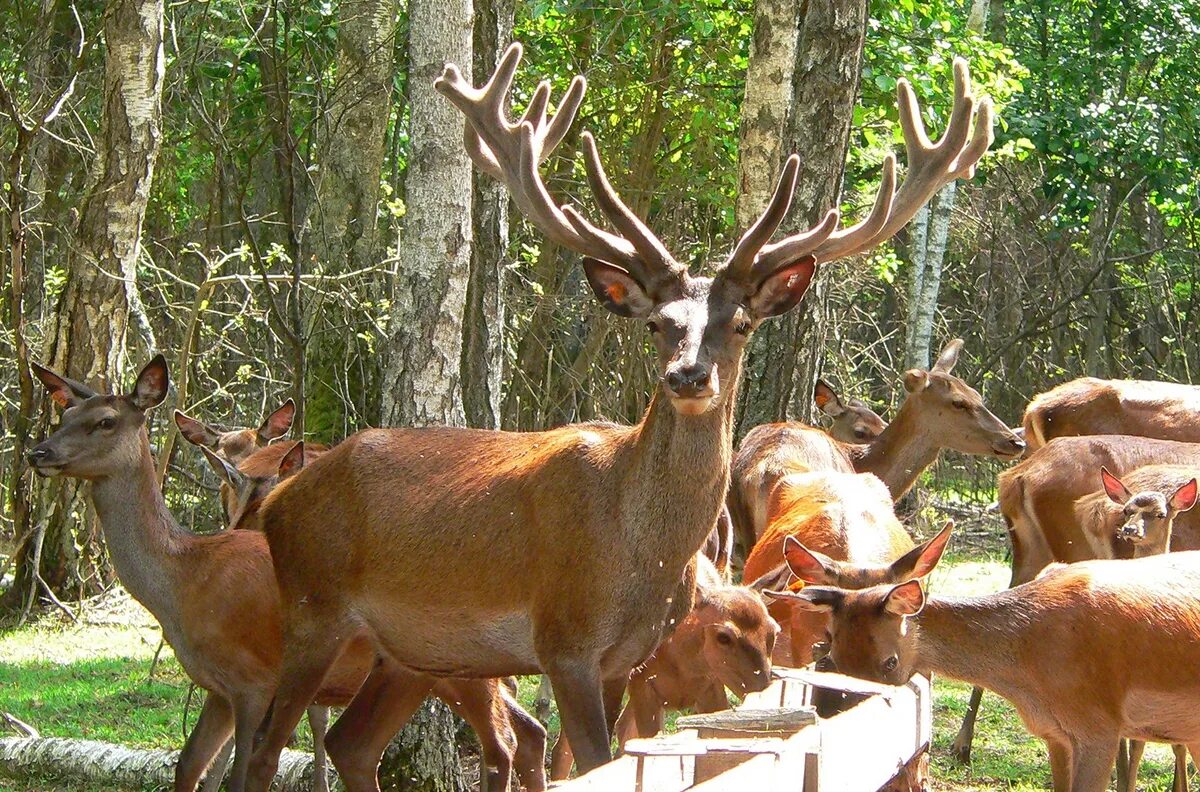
x,y
810,566
822,599
907,599
228,473
1113,487
278,423
1184,497
64,392
152,384
827,399
292,461
196,432
920,561
948,356
783,289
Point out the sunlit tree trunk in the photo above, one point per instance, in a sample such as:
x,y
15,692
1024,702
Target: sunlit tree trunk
x,y
86,334
786,355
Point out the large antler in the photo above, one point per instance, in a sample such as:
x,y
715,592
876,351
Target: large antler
x,y
511,153
930,166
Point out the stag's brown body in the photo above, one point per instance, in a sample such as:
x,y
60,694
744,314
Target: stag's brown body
x,y
1090,406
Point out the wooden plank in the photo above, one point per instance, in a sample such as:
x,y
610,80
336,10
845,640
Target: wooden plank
x,y
698,746
765,772
831,681
630,773
789,719
864,747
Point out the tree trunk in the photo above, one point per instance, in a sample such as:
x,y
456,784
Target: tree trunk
x,y
424,380
483,319
785,357
423,383
85,336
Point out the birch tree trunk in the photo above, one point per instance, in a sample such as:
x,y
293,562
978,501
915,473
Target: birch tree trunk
x,y
85,335
424,381
423,384
931,235
484,319
785,357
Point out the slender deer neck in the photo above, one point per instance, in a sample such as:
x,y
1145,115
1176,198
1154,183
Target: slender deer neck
x,y
900,453
143,538
972,639
678,478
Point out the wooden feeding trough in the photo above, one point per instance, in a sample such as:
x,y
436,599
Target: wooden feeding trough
x,y
775,741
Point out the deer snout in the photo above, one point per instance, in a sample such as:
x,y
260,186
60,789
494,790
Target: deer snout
x,y
1008,447
690,381
40,457
1133,531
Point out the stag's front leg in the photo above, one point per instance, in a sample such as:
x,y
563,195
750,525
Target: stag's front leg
x,y
580,696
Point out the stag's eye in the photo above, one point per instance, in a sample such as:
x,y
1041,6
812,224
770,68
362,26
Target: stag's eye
x,y
890,664
961,405
106,423
652,327
860,433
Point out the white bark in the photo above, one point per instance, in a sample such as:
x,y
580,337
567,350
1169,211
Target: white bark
x,y
117,766
423,384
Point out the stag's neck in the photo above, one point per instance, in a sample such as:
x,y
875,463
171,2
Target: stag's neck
x,y
679,477
143,539
973,639
899,455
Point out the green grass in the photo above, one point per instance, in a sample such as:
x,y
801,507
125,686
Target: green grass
x,y
93,682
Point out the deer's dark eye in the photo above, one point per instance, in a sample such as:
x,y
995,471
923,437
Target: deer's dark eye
x,y
860,433
961,405
106,423
724,639
742,327
890,664
652,327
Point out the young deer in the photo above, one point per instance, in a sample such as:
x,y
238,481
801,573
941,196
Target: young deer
x,y
1090,406
422,538
941,411
1081,652
725,641
216,596
836,529
853,420
235,445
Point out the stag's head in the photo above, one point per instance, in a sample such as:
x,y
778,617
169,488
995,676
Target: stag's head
x,y
699,324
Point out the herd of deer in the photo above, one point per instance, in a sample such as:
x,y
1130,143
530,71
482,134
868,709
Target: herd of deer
x,y
407,562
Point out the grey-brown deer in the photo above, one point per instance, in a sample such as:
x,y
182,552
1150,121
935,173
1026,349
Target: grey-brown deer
x,y
235,445
215,595
451,548
852,421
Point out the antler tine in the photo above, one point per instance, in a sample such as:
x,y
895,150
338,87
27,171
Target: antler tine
x,y
648,246
512,152
761,231
930,166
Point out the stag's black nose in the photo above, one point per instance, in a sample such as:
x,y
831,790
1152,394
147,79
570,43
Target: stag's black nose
x,y
37,455
691,380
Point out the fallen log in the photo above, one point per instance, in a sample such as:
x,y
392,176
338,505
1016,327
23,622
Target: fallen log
x,y
119,767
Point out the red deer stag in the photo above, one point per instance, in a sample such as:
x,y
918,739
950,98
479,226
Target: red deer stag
x,y
449,547
1087,652
1090,406
941,411
852,421
215,595
837,529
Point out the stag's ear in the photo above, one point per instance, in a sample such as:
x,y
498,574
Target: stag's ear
x,y
827,399
948,356
1113,487
920,561
809,566
151,386
1184,497
196,432
292,461
907,599
228,473
64,392
616,289
783,288
278,423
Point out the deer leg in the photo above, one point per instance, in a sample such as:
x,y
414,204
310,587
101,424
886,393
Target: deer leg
x,y
1092,765
384,703
1129,759
318,724
614,695
310,647
219,766
208,736
960,749
248,713
1180,782
530,759
561,758
480,703
579,693
545,696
